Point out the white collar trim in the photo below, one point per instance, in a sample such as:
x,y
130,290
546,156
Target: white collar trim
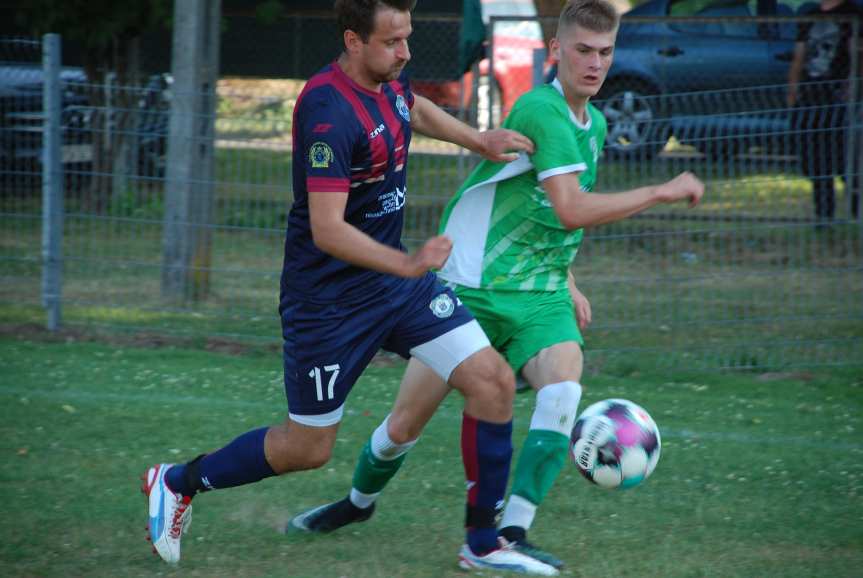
x,y
582,125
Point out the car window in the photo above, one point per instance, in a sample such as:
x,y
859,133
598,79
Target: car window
x,y
716,9
791,7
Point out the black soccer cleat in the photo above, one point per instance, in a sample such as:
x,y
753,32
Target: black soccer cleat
x,y
329,517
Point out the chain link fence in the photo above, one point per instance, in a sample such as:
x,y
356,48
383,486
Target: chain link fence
x,y
749,280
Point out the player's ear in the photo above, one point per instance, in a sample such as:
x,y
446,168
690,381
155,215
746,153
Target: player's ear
x,y
352,41
554,49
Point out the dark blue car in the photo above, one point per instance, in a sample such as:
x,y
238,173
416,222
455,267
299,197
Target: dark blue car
x,y
22,116
709,79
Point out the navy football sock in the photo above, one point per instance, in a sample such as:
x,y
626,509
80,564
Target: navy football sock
x,y
240,462
486,451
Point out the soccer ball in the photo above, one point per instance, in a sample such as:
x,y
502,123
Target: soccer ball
x,y
615,444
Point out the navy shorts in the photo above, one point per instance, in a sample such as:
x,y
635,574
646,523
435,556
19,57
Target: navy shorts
x,y
327,347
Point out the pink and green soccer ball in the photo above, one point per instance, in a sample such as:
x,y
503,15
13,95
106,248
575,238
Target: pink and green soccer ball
x,y
615,444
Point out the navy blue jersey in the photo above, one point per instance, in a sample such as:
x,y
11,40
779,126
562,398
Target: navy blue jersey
x,y
346,139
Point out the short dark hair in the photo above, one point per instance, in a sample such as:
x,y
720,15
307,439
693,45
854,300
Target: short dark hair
x,y
593,15
359,15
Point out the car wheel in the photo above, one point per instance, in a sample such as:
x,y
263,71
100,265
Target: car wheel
x,y
636,127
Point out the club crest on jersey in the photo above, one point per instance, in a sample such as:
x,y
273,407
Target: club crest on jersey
x,y
320,155
442,306
402,107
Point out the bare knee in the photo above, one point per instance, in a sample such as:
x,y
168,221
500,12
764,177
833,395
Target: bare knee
x,y
401,429
316,457
488,385
292,447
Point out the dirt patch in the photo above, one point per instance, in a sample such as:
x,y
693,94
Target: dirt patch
x,y
38,333
145,340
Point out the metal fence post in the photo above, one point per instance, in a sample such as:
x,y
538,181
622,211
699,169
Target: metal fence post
x,y
538,66
52,183
853,163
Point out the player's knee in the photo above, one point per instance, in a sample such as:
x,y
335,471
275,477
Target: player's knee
x,y
401,430
496,382
292,447
488,385
316,457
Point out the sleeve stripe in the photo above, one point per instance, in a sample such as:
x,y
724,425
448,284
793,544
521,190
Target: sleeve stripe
x,y
576,168
327,185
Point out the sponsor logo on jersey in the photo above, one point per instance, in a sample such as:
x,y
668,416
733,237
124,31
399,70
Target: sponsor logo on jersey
x,y
402,107
594,148
442,306
391,202
322,127
320,155
377,131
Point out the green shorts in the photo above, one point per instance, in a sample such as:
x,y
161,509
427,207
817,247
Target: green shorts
x,y
520,324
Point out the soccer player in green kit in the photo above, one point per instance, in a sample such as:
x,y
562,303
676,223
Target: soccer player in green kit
x,y
516,228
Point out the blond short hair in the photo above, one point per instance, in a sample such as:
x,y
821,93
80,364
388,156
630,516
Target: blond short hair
x,y
593,15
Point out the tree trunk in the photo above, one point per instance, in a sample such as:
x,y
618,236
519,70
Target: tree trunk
x,y
189,194
550,9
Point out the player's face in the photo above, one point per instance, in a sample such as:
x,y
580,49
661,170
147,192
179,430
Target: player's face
x,y
386,53
584,57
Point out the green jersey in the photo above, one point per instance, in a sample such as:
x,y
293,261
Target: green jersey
x,y
505,232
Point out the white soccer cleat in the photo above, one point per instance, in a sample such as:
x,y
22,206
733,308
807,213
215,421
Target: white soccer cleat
x,y
505,559
170,514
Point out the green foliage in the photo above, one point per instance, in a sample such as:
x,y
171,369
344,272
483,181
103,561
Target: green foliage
x,y
135,206
269,11
102,27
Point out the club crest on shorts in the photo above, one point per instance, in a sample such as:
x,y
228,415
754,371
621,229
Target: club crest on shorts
x,y
442,306
402,107
321,155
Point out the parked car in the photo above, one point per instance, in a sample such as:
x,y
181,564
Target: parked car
x,y
717,84
22,118
514,46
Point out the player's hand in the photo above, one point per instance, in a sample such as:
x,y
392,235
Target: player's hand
x,y
432,255
501,145
684,186
583,313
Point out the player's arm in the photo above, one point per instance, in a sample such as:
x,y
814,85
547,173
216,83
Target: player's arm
x,y
795,71
576,208
583,313
338,238
495,145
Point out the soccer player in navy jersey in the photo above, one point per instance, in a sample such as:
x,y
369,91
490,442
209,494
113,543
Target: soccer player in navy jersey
x,y
349,289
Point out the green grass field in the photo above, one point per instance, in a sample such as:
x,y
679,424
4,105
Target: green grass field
x,y
761,474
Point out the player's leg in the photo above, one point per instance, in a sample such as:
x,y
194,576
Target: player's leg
x,y
547,347
488,386
319,374
251,457
420,393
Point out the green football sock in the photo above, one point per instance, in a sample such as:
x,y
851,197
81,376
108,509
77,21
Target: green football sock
x,y
541,459
371,473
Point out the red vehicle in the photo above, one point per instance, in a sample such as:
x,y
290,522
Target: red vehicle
x,y
514,46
